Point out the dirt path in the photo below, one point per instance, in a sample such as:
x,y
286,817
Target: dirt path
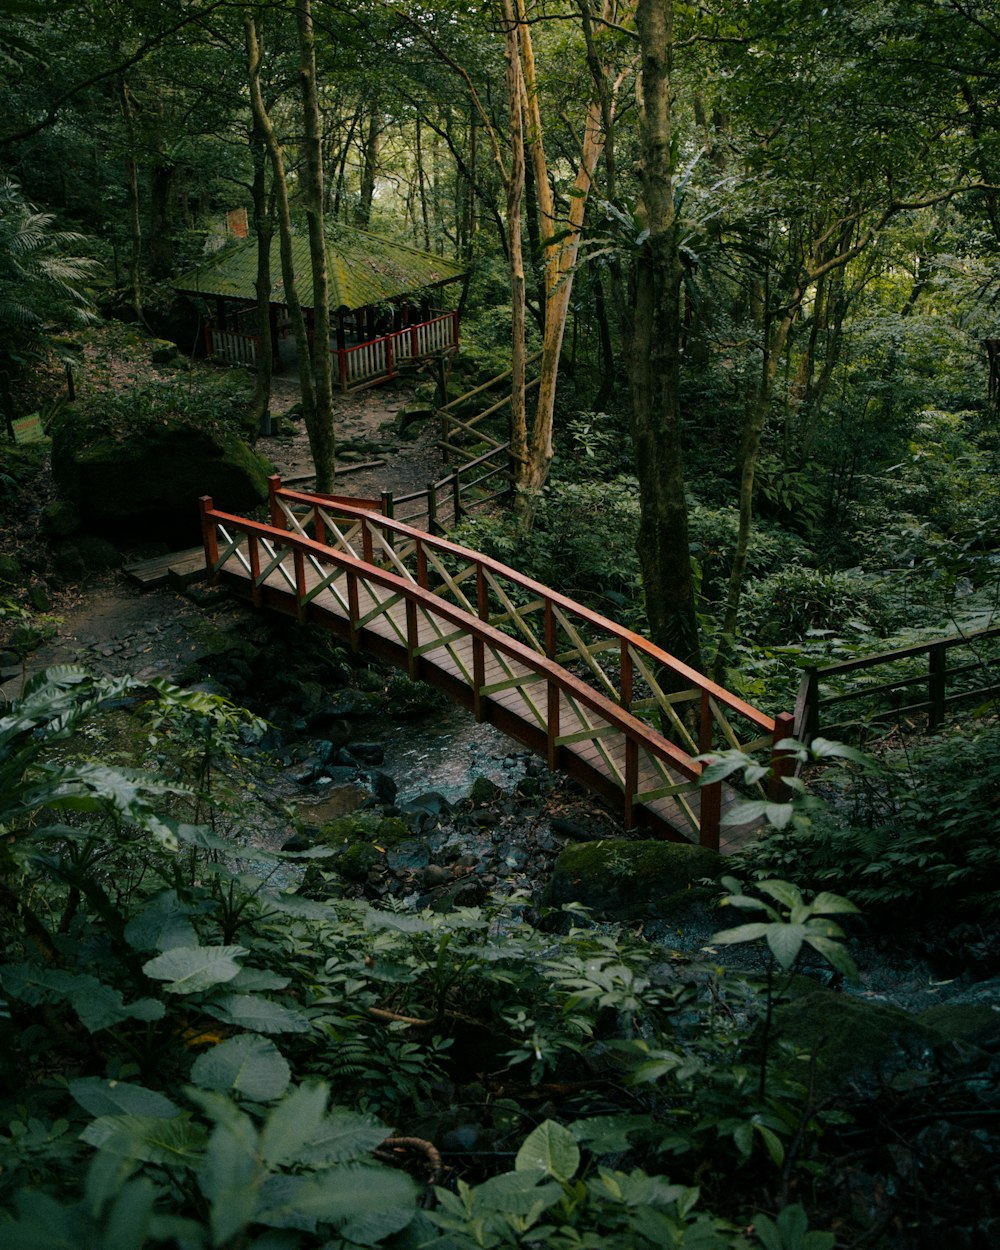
x,y
112,627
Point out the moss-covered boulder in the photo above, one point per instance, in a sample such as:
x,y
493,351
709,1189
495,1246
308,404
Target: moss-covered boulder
x,y
631,880
145,477
855,1043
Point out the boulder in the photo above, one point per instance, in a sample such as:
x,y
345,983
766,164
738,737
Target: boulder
x,y
146,480
620,880
856,1043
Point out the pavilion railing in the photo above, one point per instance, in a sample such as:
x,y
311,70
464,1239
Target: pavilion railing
x,y
380,358
231,347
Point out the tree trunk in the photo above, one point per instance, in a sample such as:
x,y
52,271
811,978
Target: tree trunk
x,y
654,359
134,218
264,229
263,122
515,193
560,241
321,438
369,158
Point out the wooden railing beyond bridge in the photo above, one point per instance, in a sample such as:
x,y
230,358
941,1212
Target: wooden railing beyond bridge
x,y
570,684
882,687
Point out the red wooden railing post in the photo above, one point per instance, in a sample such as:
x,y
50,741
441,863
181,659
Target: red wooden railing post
x,y
552,719
277,515
353,607
478,675
482,593
342,361
782,761
421,564
631,778
550,630
711,815
254,547
388,355
710,806
625,682
300,584
209,538
412,639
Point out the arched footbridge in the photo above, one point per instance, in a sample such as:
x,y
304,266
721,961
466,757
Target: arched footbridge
x,y
573,686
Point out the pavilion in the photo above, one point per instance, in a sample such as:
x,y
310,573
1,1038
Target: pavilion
x,y
381,309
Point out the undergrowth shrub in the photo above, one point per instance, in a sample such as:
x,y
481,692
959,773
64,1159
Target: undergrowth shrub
x,y
914,840
209,1063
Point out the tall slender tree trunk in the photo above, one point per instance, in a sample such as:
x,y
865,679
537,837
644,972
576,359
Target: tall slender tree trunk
x,y
264,229
134,216
369,160
654,359
318,447
321,436
560,242
515,195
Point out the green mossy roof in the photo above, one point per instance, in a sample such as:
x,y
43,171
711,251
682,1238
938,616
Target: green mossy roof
x,y
362,269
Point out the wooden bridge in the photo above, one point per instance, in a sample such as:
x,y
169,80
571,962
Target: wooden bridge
x,y
568,683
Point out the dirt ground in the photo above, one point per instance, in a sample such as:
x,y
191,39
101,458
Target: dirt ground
x,y
113,627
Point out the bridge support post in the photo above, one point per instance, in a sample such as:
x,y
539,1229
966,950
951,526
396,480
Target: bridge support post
x,y
631,779
478,676
782,761
274,508
711,816
209,538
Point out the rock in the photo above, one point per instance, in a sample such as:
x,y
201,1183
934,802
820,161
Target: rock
x,y
146,480
484,791
856,1042
383,786
163,352
621,880
339,802
368,752
411,854
60,519
10,570
570,829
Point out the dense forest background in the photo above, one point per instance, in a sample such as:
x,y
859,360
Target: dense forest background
x,y
741,261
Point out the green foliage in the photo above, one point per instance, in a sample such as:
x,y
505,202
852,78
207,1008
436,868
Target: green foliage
x,y
40,281
222,1016
915,840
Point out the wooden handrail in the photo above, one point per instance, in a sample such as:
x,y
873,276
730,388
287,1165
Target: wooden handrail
x,y
659,657
412,592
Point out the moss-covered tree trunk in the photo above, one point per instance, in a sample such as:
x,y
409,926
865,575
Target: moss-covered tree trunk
x,y
321,438
654,359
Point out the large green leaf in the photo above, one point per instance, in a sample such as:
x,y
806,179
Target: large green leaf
x,y
292,1123
550,1148
785,941
364,1204
101,1097
151,1139
189,969
247,1064
249,1011
343,1137
161,925
517,1193
230,1175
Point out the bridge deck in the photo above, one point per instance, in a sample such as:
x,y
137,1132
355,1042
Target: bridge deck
x,y
513,695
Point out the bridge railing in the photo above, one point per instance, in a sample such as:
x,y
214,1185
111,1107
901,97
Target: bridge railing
x,y
695,714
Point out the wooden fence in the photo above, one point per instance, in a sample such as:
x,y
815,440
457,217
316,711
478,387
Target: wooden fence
x,y
923,668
